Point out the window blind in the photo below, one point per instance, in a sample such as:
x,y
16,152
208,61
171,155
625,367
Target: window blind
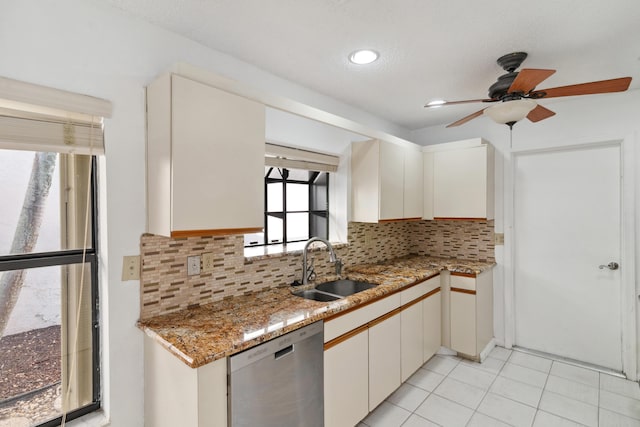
x,y
297,158
38,118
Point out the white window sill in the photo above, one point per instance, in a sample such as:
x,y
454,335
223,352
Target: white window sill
x,y
257,253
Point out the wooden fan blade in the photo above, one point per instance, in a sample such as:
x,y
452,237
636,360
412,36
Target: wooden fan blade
x,y
602,86
528,78
468,101
466,119
540,113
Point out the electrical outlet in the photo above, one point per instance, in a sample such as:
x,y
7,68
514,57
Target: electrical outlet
x,y
131,268
193,265
498,239
207,262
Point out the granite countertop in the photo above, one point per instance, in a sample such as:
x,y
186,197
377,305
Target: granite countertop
x,y
200,335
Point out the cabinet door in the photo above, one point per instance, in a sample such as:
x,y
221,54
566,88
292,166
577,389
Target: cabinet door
x,y
460,183
432,316
427,171
463,322
391,181
217,169
365,181
384,359
346,382
411,339
413,183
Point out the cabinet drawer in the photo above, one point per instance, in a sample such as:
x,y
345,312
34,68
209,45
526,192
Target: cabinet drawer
x,y
463,282
419,290
413,292
342,324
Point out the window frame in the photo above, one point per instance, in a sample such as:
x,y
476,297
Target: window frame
x,y
67,257
284,180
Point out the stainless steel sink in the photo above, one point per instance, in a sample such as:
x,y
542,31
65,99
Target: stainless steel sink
x,y
316,296
331,291
344,287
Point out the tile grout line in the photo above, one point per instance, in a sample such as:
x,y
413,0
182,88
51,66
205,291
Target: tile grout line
x,y
497,374
488,390
544,387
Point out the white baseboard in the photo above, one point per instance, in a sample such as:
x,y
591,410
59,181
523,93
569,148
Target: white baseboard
x,y
485,352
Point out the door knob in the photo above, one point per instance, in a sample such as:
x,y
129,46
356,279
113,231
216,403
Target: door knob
x,y
610,266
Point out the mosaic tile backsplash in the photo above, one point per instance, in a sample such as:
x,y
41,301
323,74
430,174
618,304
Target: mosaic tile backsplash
x,y
472,240
165,286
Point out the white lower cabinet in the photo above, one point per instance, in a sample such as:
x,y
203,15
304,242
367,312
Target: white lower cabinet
x,y
432,324
421,325
412,338
471,308
384,359
370,351
463,323
177,395
346,381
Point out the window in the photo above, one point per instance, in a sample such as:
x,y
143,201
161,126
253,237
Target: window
x,y
48,286
296,207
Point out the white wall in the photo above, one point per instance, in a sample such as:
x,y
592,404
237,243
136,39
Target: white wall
x,y
579,120
305,133
87,47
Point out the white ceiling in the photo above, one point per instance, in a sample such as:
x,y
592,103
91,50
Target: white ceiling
x,y
429,48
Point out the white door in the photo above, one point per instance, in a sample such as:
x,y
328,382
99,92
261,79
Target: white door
x,y
567,224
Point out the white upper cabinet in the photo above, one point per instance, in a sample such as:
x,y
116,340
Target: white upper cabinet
x,y
391,168
459,180
205,159
386,181
413,183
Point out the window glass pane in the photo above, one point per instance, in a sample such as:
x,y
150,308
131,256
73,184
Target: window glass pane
x,y
42,342
274,229
319,187
35,215
274,197
320,226
297,226
306,195
297,197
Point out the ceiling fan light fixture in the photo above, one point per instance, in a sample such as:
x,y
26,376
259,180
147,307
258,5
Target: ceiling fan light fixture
x,y
363,56
510,111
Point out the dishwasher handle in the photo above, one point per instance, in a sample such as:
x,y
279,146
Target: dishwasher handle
x,y
278,346
282,353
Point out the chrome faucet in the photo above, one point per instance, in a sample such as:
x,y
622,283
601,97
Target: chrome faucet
x,y
307,270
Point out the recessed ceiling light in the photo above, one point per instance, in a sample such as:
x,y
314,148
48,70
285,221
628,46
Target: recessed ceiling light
x,y
363,56
436,103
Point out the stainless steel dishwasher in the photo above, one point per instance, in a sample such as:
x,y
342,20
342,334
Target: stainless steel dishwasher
x,y
279,383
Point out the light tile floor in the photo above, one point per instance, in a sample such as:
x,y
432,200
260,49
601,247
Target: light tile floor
x,y
509,388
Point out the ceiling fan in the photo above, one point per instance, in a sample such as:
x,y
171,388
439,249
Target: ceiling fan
x,y
515,93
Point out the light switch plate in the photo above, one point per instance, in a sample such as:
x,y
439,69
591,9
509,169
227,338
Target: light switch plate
x,y
207,262
193,265
498,239
131,268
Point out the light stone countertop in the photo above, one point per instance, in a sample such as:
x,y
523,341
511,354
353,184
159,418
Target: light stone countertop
x,y
200,335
